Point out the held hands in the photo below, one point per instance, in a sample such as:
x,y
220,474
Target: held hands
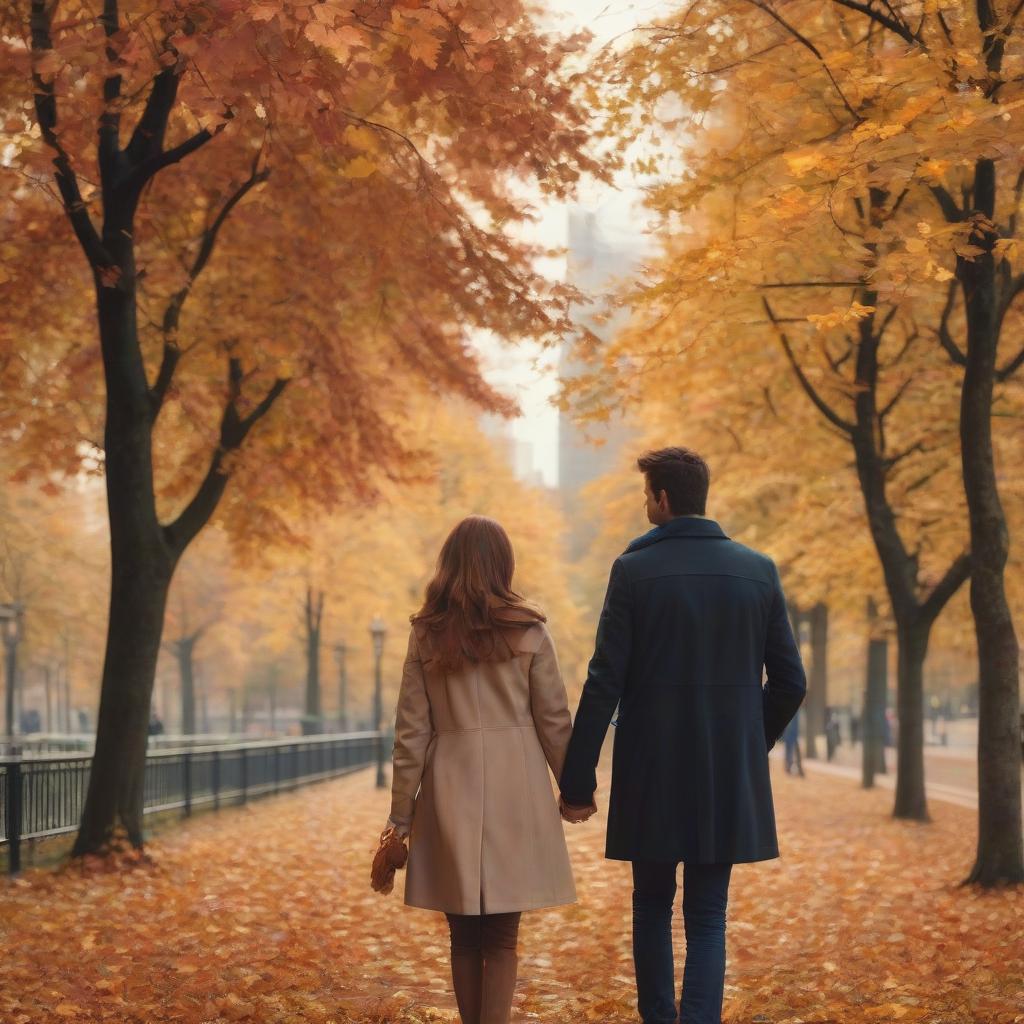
x,y
575,815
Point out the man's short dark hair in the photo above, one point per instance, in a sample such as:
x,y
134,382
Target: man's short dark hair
x,y
682,474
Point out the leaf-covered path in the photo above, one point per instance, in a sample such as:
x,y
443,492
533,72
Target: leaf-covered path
x,y
264,915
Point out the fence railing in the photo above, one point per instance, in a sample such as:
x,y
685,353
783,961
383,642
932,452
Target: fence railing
x,y
43,795
33,744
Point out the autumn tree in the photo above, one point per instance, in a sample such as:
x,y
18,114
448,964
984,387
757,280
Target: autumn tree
x,y
197,603
52,561
375,560
843,164
291,215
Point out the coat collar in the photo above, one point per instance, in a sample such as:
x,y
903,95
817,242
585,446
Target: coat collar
x,y
681,526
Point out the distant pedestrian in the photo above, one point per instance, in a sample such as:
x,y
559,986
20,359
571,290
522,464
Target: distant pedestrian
x,y
831,732
791,740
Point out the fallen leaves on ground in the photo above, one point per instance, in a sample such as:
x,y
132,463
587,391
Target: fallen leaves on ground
x,y
264,914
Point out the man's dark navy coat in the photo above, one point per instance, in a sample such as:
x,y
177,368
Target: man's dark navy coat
x,y
690,619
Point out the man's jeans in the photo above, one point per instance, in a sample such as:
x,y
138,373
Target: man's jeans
x,y
705,895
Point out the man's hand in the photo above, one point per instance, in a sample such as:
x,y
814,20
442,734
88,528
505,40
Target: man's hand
x,y
575,815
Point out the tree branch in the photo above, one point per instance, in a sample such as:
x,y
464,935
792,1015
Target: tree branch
x,y
953,213
956,575
811,284
1018,189
158,161
892,24
954,352
172,314
804,41
148,137
1011,367
891,404
917,448
233,431
110,119
64,175
823,407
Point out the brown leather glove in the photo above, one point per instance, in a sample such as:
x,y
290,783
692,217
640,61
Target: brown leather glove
x,y
392,853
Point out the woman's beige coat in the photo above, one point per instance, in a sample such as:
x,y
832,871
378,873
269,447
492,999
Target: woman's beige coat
x,y
471,758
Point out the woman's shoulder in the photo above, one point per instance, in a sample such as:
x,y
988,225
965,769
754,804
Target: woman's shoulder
x,y
528,635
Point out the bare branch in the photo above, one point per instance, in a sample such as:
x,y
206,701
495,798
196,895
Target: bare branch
x,y
894,401
823,407
899,27
1018,190
917,448
811,284
945,336
1011,367
908,342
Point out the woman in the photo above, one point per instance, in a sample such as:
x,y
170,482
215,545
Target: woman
x,y
482,715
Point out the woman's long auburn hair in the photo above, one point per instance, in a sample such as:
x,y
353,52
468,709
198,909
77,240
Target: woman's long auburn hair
x,y
470,599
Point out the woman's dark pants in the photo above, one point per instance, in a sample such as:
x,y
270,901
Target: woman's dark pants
x,y
705,895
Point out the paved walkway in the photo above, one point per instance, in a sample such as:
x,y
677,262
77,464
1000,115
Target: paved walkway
x,y
951,773
263,915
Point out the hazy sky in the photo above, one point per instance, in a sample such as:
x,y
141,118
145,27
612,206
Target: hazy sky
x,y
526,371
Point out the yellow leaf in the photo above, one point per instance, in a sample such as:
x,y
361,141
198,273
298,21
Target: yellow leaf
x,y
359,167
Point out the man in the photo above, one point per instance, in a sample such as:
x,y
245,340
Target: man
x,y
690,619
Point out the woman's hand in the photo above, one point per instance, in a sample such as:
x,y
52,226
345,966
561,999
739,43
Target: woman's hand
x,y
400,827
575,815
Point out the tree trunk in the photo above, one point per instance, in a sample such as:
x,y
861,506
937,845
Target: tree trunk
x,y
1000,853
10,678
204,708
911,801
183,649
311,719
875,690
817,689
66,687
48,692
115,794
141,570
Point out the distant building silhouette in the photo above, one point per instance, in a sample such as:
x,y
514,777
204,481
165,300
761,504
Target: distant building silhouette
x,y
595,258
518,453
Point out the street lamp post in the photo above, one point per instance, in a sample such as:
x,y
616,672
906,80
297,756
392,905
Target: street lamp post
x,y
11,619
378,632
340,651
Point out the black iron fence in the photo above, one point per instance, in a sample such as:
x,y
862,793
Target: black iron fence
x,y
43,795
